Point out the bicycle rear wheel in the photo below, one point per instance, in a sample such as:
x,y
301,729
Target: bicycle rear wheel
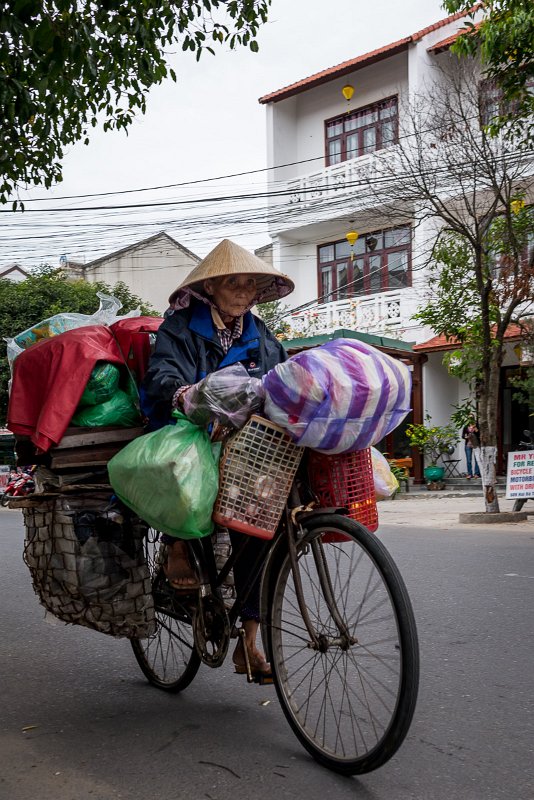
x,y
349,697
168,658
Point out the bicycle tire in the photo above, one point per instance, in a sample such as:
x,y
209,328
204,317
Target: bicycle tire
x,y
327,696
168,658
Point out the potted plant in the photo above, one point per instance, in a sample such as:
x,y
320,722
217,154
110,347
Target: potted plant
x,y
433,441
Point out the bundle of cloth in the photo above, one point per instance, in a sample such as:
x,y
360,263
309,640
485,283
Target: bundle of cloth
x,y
343,396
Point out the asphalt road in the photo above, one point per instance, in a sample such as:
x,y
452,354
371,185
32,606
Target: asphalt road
x,y
79,722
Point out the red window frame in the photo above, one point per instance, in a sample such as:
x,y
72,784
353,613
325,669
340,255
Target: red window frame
x,y
369,255
346,120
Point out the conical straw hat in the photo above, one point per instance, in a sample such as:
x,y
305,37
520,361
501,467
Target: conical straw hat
x,y
229,258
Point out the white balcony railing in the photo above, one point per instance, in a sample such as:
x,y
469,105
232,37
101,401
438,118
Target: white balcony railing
x,y
335,180
386,314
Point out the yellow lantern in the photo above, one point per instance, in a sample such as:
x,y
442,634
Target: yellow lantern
x,y
351,238
347,92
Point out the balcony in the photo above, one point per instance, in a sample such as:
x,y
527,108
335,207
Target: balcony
x,y
387,313
331,183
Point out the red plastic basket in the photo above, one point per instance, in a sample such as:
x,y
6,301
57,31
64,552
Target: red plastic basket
x,y
345,480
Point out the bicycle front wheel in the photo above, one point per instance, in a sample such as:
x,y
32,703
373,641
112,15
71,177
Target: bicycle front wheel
x,y
349,692
168,658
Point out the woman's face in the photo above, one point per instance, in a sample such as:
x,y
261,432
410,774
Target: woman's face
x,y
232,294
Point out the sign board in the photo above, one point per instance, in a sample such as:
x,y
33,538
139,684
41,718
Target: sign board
x,y
520,474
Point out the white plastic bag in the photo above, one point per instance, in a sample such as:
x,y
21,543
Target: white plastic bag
x,y
386,484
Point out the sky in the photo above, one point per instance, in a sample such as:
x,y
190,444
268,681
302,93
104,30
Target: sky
x,y
206,126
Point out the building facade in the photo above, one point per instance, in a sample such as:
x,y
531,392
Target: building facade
x,y
357,262
151,268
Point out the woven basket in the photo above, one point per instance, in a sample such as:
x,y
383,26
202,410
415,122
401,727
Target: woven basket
x,y
94,583
257,470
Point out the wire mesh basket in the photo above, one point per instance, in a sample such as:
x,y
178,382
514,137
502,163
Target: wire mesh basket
x,y
257,469
346,480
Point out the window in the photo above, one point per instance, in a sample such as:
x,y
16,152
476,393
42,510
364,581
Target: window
x,y
493,105
500,263
381,262
364,131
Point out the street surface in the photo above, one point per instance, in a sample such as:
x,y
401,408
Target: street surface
x,y
79,722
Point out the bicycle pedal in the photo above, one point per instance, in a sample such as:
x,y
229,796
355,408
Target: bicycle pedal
x,y
263,680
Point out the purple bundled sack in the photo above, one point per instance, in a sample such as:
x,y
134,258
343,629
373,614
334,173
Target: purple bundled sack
x,y
340,397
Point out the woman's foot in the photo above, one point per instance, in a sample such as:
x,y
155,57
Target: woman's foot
x,y
178,569
258,664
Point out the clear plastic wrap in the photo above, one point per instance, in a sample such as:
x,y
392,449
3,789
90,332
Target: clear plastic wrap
x,y
106,314
229,396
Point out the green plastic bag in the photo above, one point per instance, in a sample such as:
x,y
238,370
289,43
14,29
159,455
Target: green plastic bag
x,y
119,410
170,478
102,384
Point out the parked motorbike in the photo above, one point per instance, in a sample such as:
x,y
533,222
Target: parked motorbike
x,y
20,483
527,444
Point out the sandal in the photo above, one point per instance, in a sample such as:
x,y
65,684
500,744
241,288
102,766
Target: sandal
x,y
181,575
258,665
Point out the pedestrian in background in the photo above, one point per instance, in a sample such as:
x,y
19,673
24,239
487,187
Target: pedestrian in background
x,y
470,435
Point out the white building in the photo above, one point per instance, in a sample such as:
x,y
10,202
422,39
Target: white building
x,y
13,272
322,148
151,268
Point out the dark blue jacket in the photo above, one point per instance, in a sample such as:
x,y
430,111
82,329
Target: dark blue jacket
x,y
188,348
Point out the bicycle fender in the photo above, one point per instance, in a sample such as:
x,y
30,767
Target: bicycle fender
x,y
304,516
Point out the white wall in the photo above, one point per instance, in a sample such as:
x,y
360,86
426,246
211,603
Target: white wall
x,y
14,275
152,271
296,126
281,139
440,394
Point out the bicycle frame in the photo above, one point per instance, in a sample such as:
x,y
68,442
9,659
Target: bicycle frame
x,y
289,532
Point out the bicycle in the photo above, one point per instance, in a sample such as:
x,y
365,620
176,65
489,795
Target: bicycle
x,y
337,627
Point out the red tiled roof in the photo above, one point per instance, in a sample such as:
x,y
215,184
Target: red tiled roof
x,y
444,44
441,342
356,63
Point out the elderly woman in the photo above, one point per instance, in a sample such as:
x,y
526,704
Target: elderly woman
x,y
209,326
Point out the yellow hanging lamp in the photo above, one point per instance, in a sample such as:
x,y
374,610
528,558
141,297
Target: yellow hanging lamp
x,y
351,238
347,92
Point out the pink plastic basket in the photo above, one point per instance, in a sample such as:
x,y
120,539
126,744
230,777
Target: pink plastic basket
x,y
346,480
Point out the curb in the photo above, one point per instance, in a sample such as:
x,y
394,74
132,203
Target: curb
x,y
484,517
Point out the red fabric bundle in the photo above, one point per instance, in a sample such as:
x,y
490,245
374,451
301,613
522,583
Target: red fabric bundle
x,y
49,377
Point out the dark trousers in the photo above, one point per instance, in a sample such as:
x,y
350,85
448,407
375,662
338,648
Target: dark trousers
x,y
254,549
245,564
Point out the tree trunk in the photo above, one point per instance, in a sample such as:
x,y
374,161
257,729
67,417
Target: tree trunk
x,y
486,457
